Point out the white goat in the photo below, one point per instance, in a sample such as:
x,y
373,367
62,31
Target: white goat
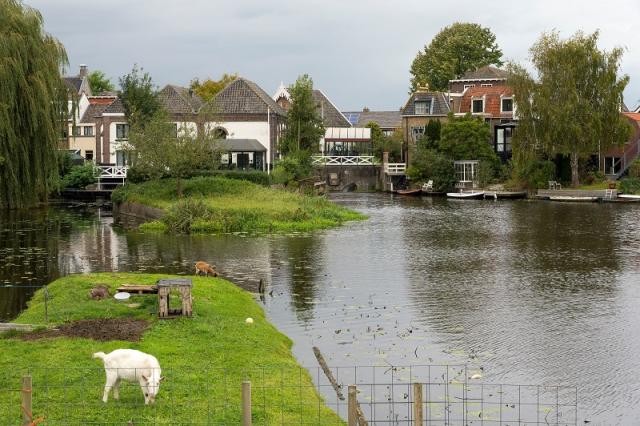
x,y
131,365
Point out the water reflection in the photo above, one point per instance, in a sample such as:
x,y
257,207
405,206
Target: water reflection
x,y
532,292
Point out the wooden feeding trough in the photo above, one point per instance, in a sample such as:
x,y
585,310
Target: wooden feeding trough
x,y
180,285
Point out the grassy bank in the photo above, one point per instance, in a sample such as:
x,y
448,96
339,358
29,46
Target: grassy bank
x,y
204,359
218,205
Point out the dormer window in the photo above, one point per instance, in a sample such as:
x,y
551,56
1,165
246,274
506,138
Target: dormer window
x,y
506,105
477,106
423,107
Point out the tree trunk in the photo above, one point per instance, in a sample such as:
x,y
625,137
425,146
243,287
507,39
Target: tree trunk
x,y
179,187
575,176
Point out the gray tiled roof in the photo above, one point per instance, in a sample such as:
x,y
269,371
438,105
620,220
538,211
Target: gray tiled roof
x,y
330,115
242,96
483,73
179,100
439,100
115,107
384,119
73,83
94,110
240,145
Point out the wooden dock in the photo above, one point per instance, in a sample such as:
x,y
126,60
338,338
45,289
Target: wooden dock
x,y
601,194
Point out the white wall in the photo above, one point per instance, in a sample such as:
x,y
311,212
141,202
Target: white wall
x,y
113,144
258,130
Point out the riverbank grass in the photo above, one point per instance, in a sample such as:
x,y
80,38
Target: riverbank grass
x,y
219,205
205,359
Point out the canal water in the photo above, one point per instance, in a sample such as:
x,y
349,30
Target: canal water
x,y
525,292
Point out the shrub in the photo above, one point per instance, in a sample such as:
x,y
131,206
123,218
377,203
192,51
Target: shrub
x,y
485,173
630,185
634,169
428,164
292,169
79,177
536,174
184,213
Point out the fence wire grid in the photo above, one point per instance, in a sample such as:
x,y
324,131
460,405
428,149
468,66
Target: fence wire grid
x,y
285,396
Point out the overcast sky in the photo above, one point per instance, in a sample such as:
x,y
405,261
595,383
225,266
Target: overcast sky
x,y
358,52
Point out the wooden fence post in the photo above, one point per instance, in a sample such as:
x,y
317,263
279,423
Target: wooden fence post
x,y
246,403
353,405
27,413
418,412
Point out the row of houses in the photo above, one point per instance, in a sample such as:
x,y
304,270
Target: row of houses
x,y
251,122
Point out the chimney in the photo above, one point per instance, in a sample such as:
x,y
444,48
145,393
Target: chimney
x,y
83,70
365,109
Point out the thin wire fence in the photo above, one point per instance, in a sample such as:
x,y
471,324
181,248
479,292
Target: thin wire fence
x,y
428,395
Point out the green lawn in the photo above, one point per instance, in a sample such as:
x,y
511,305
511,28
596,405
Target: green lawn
x,y
204,359
219,205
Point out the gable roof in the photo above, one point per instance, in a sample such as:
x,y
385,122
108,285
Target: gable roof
x,y
484,73
179,100
491,95
243,96
93,111
73,83
384,119
115,107
440,104
331,116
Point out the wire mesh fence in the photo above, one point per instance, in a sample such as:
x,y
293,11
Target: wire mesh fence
x,y
386,395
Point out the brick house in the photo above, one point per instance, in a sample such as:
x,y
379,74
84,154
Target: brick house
x,y
422,107
494,104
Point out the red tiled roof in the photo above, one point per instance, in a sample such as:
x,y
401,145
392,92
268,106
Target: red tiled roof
x,y
635,116
101,100
491,97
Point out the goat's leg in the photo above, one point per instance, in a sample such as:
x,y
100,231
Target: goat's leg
x,y
112,378
116,390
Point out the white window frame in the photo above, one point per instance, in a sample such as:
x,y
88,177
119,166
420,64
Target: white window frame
x,y
473,100
428,104
467,86
486,85
512,104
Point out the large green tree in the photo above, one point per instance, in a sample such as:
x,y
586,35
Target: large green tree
x,y
456,49
209,88
100,83
383,143
304,125
572,108
139,97
33,105
467,138
160,149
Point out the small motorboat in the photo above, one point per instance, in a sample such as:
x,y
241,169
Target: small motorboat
x,y
411,192
466,195
572,199
629,197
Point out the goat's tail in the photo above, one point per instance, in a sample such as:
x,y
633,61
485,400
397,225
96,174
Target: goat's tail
x,y
100,355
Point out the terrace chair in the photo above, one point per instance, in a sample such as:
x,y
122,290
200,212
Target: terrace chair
x,y
553,185
427,186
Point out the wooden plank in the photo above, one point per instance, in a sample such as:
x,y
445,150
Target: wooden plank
x,y
352,406
27,409
138,289
327,372
247,419
7,326
418,412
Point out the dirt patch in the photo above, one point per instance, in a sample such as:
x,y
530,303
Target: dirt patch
x,y
96,329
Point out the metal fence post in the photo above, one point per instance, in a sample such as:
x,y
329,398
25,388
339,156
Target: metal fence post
x,y
352,406
418,412
246,403
27,414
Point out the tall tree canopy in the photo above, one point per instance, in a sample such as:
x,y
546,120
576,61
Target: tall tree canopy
x,y
304,125
456,49
573,107
139,97
33,105
209,88
100,83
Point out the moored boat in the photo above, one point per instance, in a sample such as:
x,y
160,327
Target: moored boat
x,y
505,195
412,192
466,195
573,199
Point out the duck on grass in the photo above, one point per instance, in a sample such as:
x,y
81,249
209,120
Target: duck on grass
x,y
204,359
212,205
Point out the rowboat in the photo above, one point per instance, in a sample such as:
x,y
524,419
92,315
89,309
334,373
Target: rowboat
x,y
412,192
469,195
629,197
574,199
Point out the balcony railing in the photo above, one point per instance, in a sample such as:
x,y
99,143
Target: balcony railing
x,y
395,168
344,160
112,171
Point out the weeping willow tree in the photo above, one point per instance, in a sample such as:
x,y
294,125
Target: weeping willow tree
x,y
33,105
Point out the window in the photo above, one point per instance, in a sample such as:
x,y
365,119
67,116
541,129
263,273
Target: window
x,y
122,131
88,155
486,85
507,105
468,86
75,131
220,133
417,132
503,139
175,130
423,107
477,106
88,130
